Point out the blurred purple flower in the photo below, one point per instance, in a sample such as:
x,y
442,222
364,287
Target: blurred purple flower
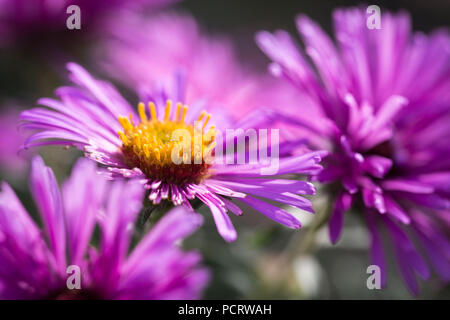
x,y
93,118
170,43
383,96
10,160
33,263
25,17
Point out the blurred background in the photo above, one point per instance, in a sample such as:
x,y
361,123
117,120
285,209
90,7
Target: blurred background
x,y
267,261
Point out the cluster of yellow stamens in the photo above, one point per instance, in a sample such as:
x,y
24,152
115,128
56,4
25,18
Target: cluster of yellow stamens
x,y
150,144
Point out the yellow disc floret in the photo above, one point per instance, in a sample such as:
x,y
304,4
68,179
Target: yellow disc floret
x,y
168,150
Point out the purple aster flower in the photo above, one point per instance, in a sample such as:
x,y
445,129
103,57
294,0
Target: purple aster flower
x,y
383,98
34,264
95,118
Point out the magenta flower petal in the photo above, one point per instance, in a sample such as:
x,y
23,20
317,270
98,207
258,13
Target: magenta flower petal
x,y
272,212
48,200
83,197
341,205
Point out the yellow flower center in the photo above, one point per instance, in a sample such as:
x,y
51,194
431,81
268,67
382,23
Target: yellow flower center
x,y
152,145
